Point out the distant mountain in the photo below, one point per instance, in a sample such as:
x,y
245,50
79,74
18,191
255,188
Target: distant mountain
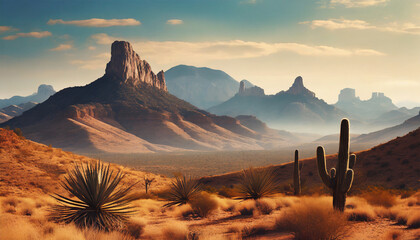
x,y
203,87
43,93
389,133
395,117
15,110
370,109
297,109
130,110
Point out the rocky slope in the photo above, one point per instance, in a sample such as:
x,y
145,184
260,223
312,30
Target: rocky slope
x,y
203,87
296,109
383,165
129,110
43,93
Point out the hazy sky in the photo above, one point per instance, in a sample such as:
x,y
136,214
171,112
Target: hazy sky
x,y
369,45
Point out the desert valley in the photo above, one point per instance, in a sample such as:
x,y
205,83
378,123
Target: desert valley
x,y
191,153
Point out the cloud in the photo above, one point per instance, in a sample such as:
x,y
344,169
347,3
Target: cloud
x,y
97,22
336,24
6,29
356,3
174,21
172,51
97,62
30,34
333,24
62,47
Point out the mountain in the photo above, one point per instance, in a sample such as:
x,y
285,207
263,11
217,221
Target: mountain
x,y
297,109
15,110
369,109
43,93
382,166
203,87
129,110
395,117
387,134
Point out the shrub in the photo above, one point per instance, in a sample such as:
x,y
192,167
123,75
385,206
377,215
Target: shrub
x,y
246,208
101,203
265,206
257,183
204,204
312,219
135,228
175,231
380,198
361,215
182,191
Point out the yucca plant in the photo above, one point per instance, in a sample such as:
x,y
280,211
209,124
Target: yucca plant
x,y
257,183
100,202
182,191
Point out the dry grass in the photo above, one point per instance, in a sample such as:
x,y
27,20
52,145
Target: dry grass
x,y
379,197
312,219
135,228
246,208
265,206
250,231
175,231
204,204
358,209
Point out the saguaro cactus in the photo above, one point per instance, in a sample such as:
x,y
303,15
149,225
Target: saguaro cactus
x,y
339,180
296,174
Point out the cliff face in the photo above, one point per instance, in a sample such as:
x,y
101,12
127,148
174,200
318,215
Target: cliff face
x,y
127,67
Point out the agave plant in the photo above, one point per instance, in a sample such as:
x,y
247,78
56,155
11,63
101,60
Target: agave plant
x,y
100,201
257,183
182,191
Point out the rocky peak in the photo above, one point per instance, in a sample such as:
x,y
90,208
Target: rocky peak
x,y
298,89
128,68
249,91
46,90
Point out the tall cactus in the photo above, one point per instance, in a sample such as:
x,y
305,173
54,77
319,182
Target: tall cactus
x,y
296,174
339,180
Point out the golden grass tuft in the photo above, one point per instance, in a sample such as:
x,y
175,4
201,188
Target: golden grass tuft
x,y
175,231
379,197
312,219
135,227
204,204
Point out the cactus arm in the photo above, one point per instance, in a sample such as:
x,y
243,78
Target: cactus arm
x,y
352,161
343,150
348,181
322,168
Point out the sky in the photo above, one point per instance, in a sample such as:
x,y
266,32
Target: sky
x,y
369,45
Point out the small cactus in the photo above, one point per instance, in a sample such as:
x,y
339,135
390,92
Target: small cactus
x,y
339,180
296,174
